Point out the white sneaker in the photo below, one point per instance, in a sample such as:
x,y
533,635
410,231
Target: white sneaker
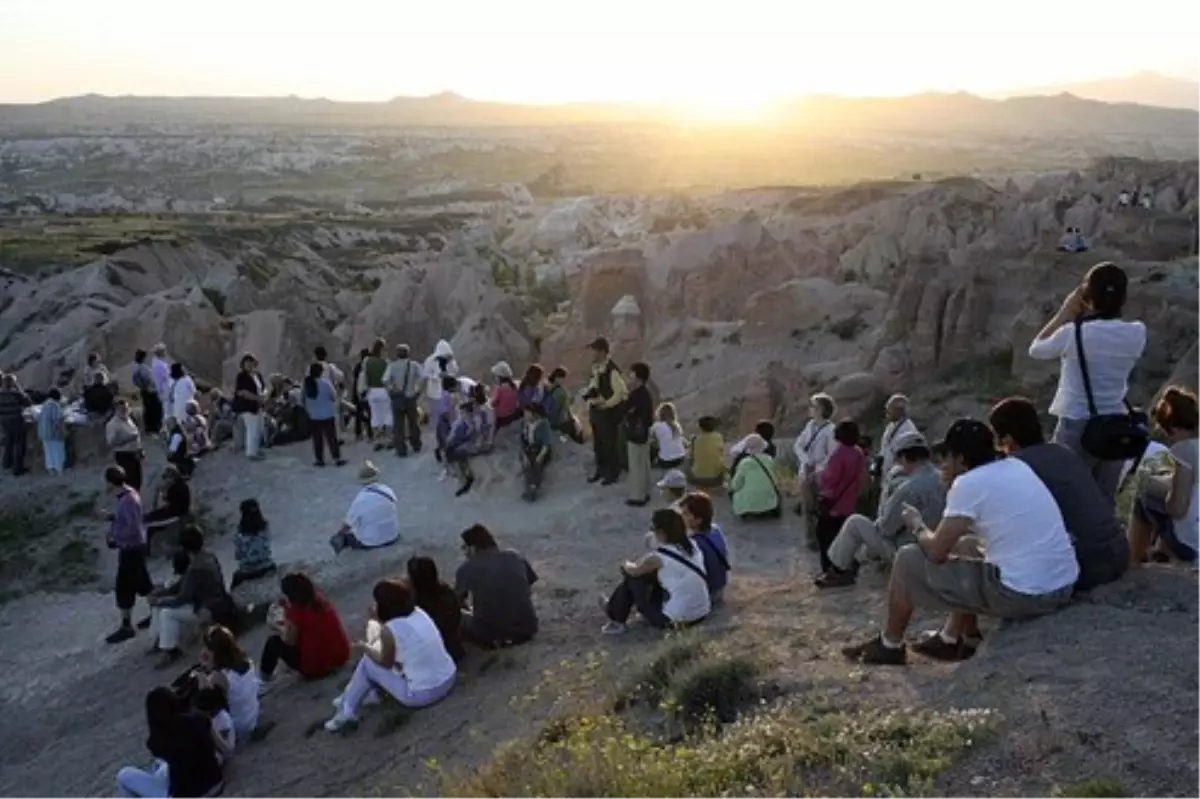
x,y
370,700
613,628
339,721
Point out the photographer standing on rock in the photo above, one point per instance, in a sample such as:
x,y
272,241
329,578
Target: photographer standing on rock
x,y
606,393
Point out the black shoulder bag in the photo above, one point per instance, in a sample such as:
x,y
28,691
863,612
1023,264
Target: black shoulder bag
x,y
1110,436
680,559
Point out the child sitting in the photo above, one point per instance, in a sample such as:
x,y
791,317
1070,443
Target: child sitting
x,y
252,545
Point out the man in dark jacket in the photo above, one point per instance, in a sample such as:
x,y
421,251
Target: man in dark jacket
x,y
639,415
13,402
605,395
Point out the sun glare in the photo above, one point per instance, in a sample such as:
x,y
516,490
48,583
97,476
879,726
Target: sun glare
x,y
720,108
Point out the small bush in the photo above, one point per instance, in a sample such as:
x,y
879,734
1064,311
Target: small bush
x,y
1099,787
711,688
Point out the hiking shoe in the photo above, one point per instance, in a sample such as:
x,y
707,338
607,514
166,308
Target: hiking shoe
x,y
465,487
339,462
874,653
122,633
613,628
144,624
339,722
936,647
835,578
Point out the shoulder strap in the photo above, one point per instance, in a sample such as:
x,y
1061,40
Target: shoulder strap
x,y
705,543
675,556
1083,367
383,494
770,476
808,447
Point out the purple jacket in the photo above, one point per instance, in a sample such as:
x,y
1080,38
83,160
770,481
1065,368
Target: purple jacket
x,y
128,531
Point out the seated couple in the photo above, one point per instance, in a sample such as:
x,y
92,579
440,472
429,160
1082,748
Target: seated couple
x,y
198,596
372,520
681,578
1001,549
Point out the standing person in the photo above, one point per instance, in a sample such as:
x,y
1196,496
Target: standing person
x,y
52,431
183,391
438,366
127,535
248,400
639,418
370,384
337,379
1089,324
605,395
320,403
813,447
310,638
13,402
1166,510
362,414
839,487
898,426
185,751
562,421
160,373
143,381
404,382
126,443
95,368
499,584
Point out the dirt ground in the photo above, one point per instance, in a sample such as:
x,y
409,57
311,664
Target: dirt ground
x,y
1106,688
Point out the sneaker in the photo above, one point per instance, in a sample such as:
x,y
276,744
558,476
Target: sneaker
x,y
638,503
144,624
873,652
465,487
613,628
339,462
938,648
122,633
370,700
339,722
835,578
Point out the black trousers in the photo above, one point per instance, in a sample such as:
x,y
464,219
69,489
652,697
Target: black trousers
x,y
275,650
406,424
828,528
324,431
131,462
362,417
152,411
606,442
643,593
15,441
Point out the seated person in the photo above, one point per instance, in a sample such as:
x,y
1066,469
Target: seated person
x,y
178,452
485,420
668,444
697,512
212,703
917,483
252,545
753,489
537,441
673,486
1101,548
307,633
562,420
195,427
223,420
1165,512
439,601
504,397
498,584
461,444
766,430
707,467
185,752
409,660
668,586
200,594
444,413
228,669
371,521
174,501
1027,567
98,397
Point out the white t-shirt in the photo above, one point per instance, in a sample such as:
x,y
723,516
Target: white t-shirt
x,y
421,654
815,444
687,591
1112,347
891,434
671,446
372,516
1023,531
433,375
183,391
243,699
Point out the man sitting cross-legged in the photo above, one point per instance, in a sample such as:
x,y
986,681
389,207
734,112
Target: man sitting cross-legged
x,y
918,484
1028,570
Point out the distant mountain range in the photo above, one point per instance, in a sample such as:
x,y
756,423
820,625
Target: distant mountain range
x,y
1145,88
925,113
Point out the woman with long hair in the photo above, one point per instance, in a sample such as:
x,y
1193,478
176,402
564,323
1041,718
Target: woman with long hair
x,y
438,600
666,435
185,749
307,633
232,672
321,405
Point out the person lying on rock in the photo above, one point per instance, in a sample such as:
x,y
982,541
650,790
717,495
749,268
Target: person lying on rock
x,y
915,483
174,502
696,509
408,660
1165,512
667,586
1026,568
371,521
498,586
536,449
1100,544
252,545
307,636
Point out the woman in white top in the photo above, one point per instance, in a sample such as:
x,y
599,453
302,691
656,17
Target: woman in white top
x,y
183,391
231,671
1112,348
668,586
409,660
667,437
813,447
1166,512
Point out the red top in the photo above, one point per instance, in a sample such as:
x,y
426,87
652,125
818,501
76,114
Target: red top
x,y
320,637
504,401
840,480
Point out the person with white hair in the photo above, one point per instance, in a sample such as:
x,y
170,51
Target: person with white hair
x,y
160,372
504,398
899,425
813,447
752,488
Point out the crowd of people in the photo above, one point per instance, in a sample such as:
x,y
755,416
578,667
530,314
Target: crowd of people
x,y
993,519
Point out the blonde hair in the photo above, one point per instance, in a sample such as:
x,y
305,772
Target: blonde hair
x,y
666,413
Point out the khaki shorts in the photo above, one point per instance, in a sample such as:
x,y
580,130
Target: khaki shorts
x,y
966,583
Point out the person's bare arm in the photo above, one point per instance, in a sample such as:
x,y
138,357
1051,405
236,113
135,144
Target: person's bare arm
x,y
1183,483
385,654
648,564
938,545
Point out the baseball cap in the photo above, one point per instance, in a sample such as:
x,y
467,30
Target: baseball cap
x,y
673,479
600,344
908,440
969,437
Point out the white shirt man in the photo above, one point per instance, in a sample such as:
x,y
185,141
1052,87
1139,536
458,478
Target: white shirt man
x,y
899,427
372,520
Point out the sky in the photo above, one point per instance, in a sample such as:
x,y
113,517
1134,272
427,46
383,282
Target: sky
x,y
735,54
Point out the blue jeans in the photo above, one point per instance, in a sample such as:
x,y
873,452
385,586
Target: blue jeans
x,y
56,455
139,782
1107,474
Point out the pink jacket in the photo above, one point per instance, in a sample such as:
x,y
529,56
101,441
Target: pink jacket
x,y
504,400
840,480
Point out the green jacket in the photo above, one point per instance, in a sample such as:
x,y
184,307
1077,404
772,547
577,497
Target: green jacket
x,y
753,485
